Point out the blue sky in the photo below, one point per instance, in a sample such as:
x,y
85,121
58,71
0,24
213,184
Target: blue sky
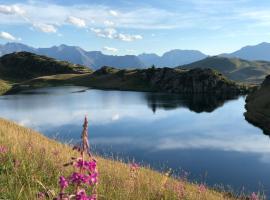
x,y
137,26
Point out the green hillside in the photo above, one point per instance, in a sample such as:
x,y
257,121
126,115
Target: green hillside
x,y
234,68
25,65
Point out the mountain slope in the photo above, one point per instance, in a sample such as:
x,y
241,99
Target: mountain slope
x,y
76,55
169,80
234,68
25,65
172,58
256,52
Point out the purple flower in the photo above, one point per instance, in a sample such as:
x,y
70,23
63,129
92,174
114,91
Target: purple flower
x,y
81,195
41,196
63,182
134,166
92,166
82,164
78,178
93,179
202,188
3,150
254,196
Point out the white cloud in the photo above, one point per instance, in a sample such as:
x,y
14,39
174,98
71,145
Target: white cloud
x,y
113,13
108,23
105,33
111,49
112,33
76,21
128,38
46,28
7,36
11,10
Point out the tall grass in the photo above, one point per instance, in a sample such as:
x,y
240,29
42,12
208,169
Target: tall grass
x,y
31,165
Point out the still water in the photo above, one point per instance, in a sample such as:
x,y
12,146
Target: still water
x,y
206,136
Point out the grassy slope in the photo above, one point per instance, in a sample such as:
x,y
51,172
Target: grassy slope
x,y
131,79
107,81
235,69
34,162
24,66
4,86
258,107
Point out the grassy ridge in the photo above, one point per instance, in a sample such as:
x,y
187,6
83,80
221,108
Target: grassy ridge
x,y
234,68
33,164
4,86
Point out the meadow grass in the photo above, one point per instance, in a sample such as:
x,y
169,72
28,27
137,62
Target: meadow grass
x,y
4,86
31,164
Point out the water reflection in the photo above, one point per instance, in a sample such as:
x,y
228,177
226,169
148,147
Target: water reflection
x,y
194,102
213,138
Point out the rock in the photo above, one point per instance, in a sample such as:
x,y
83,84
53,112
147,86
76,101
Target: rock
x,y
258,107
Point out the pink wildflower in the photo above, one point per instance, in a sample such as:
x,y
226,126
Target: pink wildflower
x,y
202,188
134,166
82,164
41,196
254,196
3,150
77,178
81,195
86,172
93,179
180,189
63,182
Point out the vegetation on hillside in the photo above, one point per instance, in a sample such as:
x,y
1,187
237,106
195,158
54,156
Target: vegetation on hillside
x,y
169,80
4,87
235,68
31,165
24,66
258,106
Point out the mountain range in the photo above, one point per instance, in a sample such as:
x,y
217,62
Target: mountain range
x,y
234,68
96,59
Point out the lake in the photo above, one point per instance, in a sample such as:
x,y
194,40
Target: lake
x,y
205,136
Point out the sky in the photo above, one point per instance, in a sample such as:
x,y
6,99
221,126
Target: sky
x,y
121,27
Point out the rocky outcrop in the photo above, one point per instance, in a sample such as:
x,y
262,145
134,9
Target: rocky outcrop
x,y
191,81
258,107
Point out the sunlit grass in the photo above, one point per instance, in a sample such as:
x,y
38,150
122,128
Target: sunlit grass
x,y
4,86
31,164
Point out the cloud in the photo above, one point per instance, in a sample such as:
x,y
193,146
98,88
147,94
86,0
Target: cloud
x,y
105,33
11,10
128,38
112,33
76,21
113,13
7,36
108,23
46,28
111,49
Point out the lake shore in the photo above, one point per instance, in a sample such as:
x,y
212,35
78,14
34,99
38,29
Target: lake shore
x,y
31,159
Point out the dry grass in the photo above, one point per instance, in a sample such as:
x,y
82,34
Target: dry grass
x,y
4,86
33,164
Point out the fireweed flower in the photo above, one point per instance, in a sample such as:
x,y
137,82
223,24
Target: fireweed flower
x,y
85,173
63,182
